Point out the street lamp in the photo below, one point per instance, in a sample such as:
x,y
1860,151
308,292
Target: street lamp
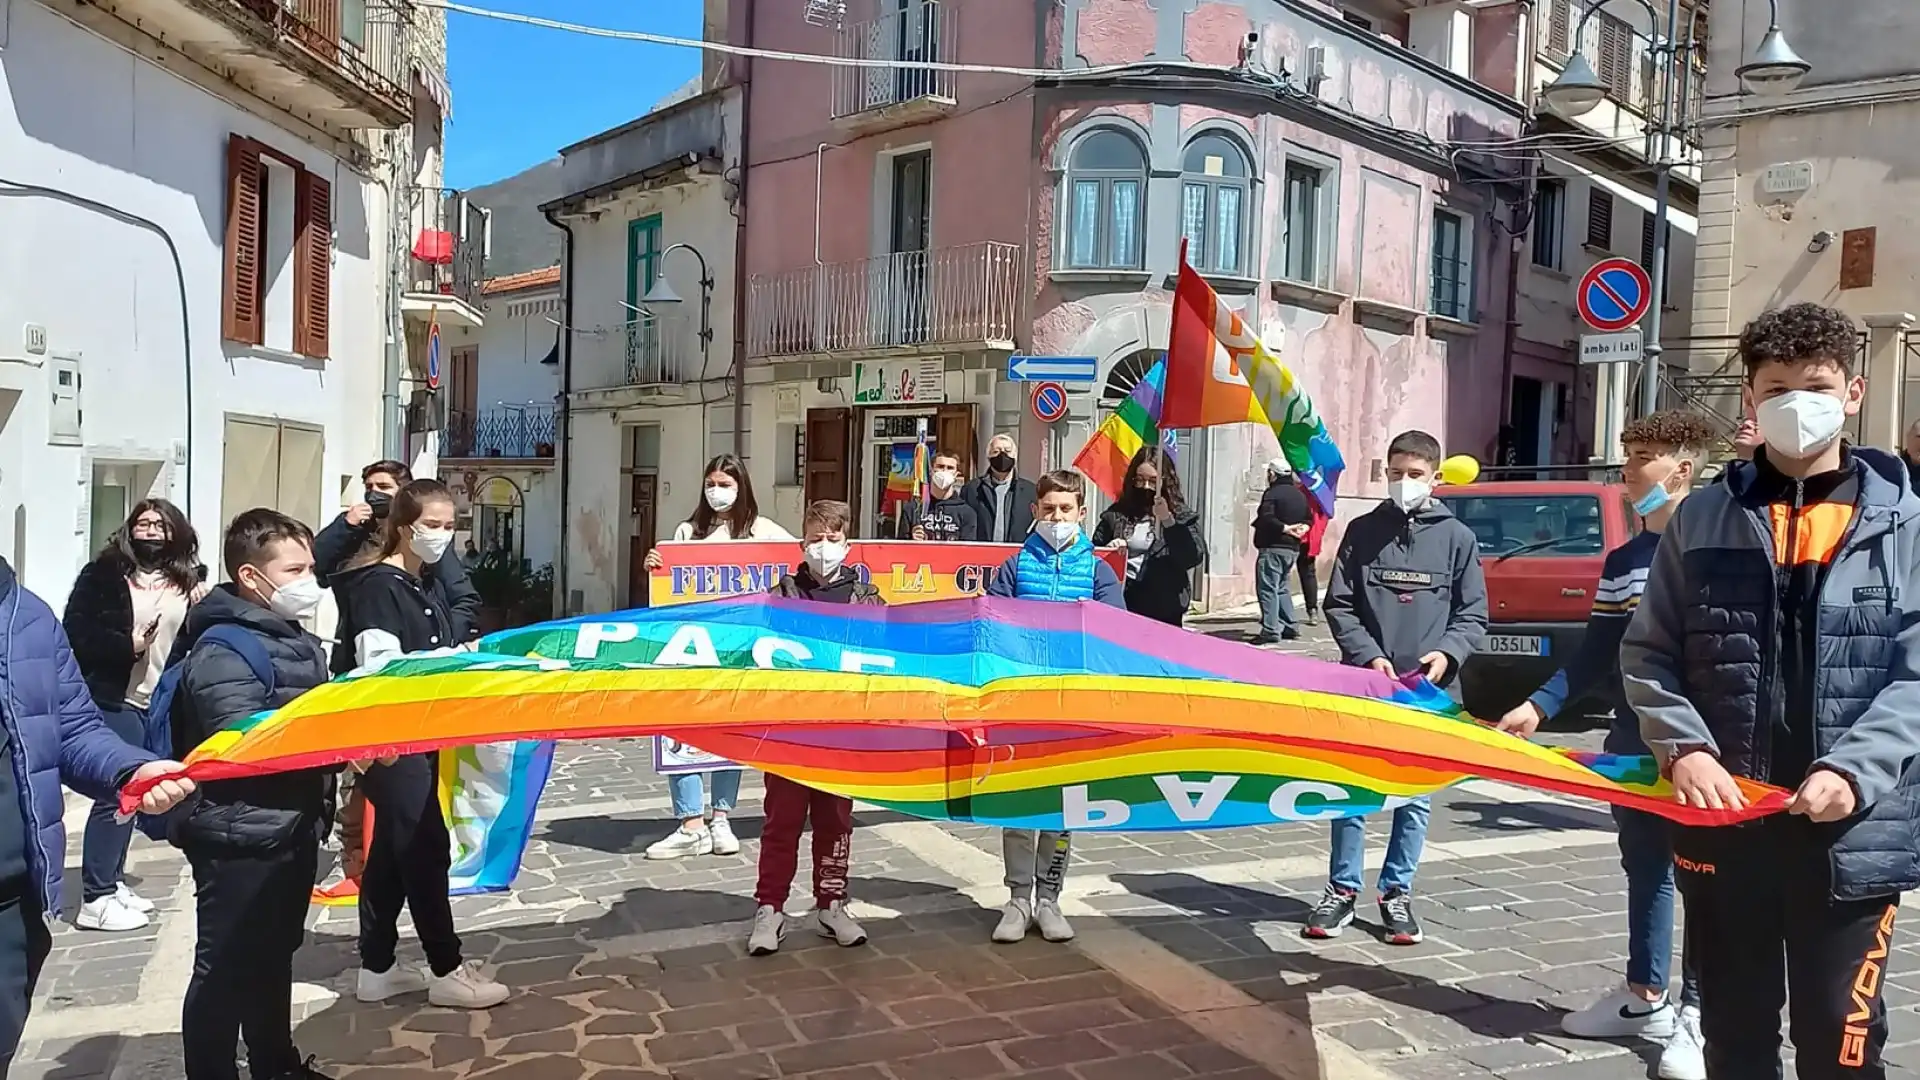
x,y
662,293
1773,68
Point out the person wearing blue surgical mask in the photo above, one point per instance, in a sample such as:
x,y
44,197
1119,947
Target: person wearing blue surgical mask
x,y
1665,453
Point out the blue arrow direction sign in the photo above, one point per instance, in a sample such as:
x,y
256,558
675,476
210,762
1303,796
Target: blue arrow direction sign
x,y
1065,369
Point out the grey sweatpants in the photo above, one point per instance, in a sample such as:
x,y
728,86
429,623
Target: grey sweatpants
x,y
1036,862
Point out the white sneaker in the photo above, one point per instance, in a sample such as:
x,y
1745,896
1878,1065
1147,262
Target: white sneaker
x,y
378,986
111,915
834,922
1622,1014
1015,918
680,843
769,926
465,988
724,842
133,899
1685,1057
1053,925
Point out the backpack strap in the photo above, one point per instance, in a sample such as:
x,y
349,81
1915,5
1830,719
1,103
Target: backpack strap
x,y
240,641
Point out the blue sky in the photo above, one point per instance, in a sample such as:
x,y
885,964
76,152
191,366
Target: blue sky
x,y
520,93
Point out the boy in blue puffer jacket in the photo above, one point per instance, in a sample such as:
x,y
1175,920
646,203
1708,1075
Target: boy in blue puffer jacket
x,y
1056,563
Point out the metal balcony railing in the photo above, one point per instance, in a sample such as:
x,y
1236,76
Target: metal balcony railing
x,y
371,43
450,239
662,350
946,296
506,431
923,31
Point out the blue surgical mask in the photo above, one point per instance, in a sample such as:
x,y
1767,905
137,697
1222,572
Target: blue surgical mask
x,y
1652,500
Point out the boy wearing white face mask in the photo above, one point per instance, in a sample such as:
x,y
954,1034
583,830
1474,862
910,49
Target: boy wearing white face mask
x,y
946,516
1779,641
1407,595
1057,562
824,578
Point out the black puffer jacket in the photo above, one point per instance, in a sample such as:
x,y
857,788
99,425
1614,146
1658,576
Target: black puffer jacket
x,y
1163,588
99,623
218,691
448,579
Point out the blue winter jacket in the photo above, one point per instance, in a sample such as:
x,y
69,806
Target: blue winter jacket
x,y
56,730
1037,572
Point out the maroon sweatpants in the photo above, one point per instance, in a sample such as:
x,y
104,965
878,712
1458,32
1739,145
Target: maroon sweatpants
x,y
788,805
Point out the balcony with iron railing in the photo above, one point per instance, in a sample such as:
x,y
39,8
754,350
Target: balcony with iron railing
x,y
504,432
659,353
961,296
447,263
1621,56
342,64
871,99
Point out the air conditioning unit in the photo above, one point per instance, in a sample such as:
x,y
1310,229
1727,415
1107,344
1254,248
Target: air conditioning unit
x,y
826,12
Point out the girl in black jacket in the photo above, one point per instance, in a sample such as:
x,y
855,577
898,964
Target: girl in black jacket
x,y
386,609
1161,535
125,609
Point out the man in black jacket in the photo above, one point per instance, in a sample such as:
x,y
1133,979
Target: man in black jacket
x,y
253,842
1279,528
1002,501
348,533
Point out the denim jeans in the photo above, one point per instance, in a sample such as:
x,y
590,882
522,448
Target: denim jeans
x,y
690,797
1273,587
1646,854
1347,865
103,848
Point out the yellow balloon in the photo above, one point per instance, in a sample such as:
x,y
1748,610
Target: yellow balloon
x,y
1459,469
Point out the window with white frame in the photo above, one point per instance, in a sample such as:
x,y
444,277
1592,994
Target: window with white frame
x,y
1215,192
1106,202
1550,224
1452,292
1307,203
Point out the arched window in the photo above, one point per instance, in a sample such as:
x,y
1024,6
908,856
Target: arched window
x,y
1106,202
1214,196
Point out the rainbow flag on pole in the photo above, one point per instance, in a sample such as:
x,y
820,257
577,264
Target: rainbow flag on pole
x,y
1136,423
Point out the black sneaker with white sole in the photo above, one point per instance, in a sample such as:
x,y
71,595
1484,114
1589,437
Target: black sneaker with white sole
x,y
1331,915
1397,924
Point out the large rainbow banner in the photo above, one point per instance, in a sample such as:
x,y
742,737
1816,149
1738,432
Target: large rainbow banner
x,y
1004,712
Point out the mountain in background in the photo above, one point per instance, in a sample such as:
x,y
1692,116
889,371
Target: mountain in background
x,y
522,237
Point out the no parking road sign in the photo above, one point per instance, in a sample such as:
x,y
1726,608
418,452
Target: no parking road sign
x,y
1049,402
1613,295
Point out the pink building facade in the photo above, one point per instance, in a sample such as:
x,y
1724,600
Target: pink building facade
x,y
908,231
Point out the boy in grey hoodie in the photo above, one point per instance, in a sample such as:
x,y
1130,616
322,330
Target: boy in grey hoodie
x,y
1779,641
1407,595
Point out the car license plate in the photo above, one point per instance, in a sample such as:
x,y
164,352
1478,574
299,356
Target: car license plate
x,y
1515,645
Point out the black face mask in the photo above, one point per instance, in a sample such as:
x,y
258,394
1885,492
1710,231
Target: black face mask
x,y
1138,498
380,503
147,552
1001,462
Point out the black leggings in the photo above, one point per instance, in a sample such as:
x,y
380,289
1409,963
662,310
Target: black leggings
x,y
1309,582
407,865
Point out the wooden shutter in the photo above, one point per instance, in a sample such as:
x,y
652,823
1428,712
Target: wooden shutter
x,y
829,448
312,264
241,305
1599,219
1559,27
1616,58
953,434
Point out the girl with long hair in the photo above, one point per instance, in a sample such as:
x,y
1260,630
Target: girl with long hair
x,y
122,615
1161,535
726,511
386,609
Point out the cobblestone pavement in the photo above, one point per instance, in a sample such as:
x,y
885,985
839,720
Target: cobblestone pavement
x,y
1188,963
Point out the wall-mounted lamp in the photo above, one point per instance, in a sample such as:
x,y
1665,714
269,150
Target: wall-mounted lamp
x,y
1821,241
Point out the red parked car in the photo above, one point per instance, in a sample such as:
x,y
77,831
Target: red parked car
x,y
1542,543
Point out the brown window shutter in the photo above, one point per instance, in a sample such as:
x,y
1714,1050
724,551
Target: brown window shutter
x,y
313,264
1559,27
241,312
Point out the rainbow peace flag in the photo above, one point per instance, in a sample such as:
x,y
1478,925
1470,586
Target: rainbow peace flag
x,y
1136,423
1005,712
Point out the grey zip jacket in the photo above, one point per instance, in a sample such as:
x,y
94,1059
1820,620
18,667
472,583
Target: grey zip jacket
x,y
1404,586
1700,659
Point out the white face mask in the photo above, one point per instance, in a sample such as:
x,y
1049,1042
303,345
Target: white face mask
x,y
944,479
1800,423
1061,534
1409,495
825,557
721,498
295,600
430,544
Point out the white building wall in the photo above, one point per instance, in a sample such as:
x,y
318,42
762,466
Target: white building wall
x,y
518,335
83,116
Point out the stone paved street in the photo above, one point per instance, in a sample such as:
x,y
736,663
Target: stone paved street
x,y
1188,963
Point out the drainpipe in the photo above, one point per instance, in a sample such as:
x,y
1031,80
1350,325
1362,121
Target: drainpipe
x,y
564,418
740,283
